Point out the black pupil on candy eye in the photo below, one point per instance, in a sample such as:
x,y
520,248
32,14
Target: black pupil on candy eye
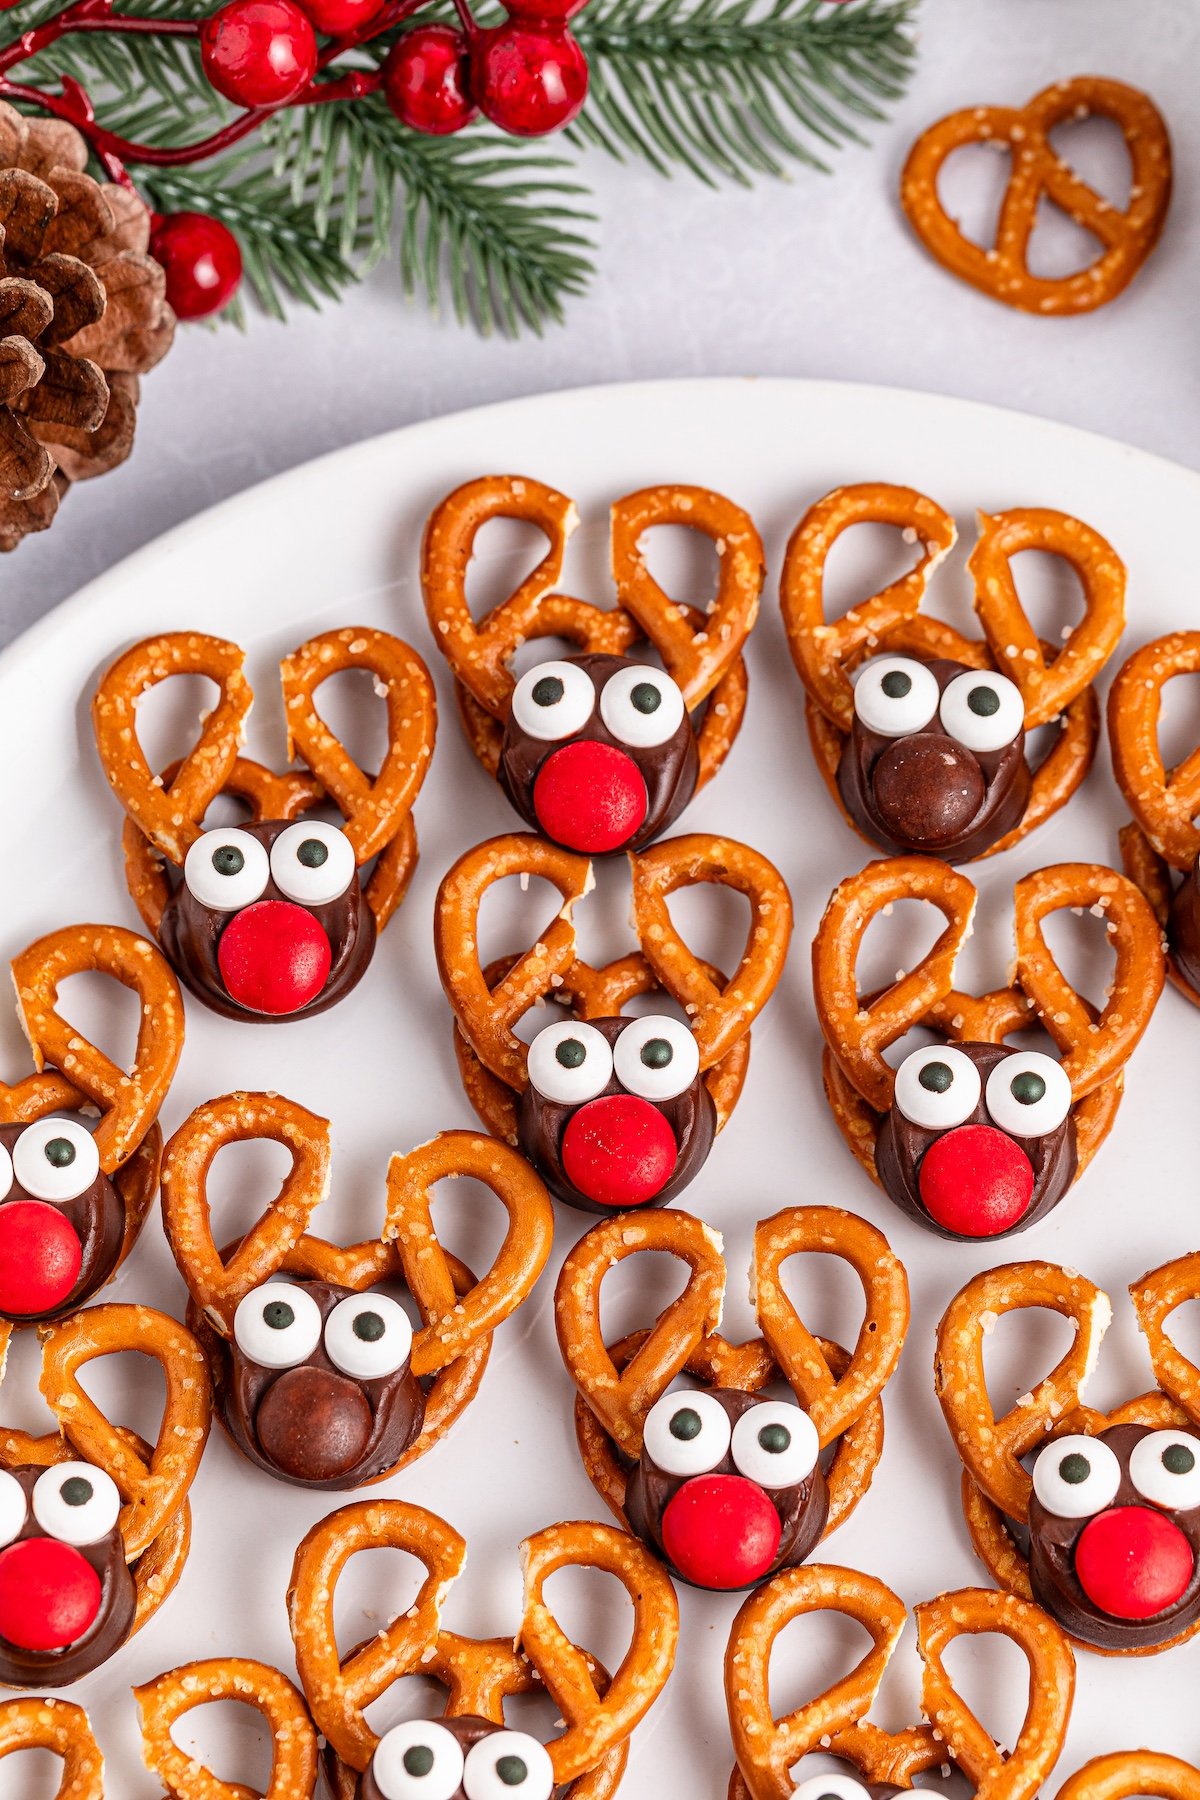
x,y
937,1077
60,1153
1177,1459
686,1424
369,1327
312,853
76,1491
656,1053
418,1760
983,701
1074,1468
278,1315
228,860
646,697
570,1053
896,684
548,691
1028,1088
512,1770
775,1439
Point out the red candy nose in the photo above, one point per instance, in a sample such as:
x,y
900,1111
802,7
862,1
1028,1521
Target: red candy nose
x,y
40,1258
274,957
619,1150
975,1181
721,1531
589,797
1133,1562
49,1594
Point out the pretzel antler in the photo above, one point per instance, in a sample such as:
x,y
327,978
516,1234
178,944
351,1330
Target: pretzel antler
x,y
1127,1773
165,1700
1163,801
1155,1297
64,1729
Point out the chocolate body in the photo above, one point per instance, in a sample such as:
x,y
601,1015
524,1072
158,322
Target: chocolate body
x,y
21,1668
669,770
189,934
900,1146
929,794
97,1217
312,1425
803,1509
1056,1587
541,1123
1183,927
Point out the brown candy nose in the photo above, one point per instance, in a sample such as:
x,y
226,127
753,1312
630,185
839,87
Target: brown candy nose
x,y
313,1425
927,788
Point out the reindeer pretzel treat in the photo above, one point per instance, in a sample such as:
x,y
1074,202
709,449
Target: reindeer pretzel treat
x,y
836,1722
1125,236
970,1137
1126,1774
724,1485
919,731
469,1753
319,1377
270,919
57,1725
600,751
72,1198
166,1700
612,1112
94,1524
1096,1516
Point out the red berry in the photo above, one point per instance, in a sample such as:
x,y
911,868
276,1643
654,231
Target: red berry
x,y
544,12
975,1181
721,1531
1133,1562
49,1594
589,797
274,957
202,261
338,17
529,78
619,1150
258,52
426,80
40,1258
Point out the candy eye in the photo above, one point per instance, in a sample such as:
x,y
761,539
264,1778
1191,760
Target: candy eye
x,y
225,870
687,1434
555,700
937,1088
570,1063
982,711
641,706
831,1787
368,1336
312,862
508,1765
1076,1477
277,1325
775,1444
1028,1094
656,1057
55,1159
76,1503
13,1508
6,1172
894,695
418,1761
1165,1468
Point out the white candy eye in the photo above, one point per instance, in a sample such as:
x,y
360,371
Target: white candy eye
x,y
1165,1468
553,701
418,1761
686,1434
641,706
312,862
277,1325
831,1787
656,1057
775,1444
1076,1477
55,1159
1028,1094
76,1503
937,1088
13,1508
570,1063
982,711
368,1336
225,870
6,1172
508,1765
894,695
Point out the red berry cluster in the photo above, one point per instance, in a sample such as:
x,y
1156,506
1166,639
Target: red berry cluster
x,y
529,76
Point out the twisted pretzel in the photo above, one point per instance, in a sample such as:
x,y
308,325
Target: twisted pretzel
x,y
1164,802
1126,237
1126,1773
165,1700
59,1726
480,1676
766,1748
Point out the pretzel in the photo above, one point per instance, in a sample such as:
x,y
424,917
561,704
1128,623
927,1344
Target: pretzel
x,y
1126,236
479,1676
1126,1773
836,1723
59,1726
618,1386
165,1700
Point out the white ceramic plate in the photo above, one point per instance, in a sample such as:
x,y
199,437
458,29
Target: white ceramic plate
x,y
336,543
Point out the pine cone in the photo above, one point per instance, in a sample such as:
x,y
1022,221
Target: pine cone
x,y
83,313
